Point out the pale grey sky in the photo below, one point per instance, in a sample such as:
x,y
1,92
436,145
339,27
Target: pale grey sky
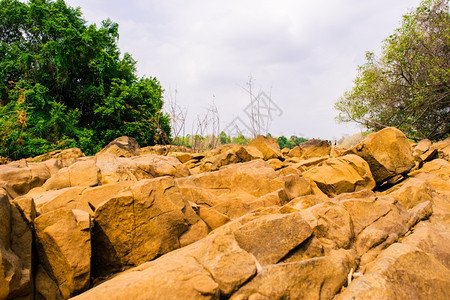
x,y
304,53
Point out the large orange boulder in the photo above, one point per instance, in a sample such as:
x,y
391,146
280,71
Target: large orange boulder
x,y
64,249
145,221
387,152
268,146
344,174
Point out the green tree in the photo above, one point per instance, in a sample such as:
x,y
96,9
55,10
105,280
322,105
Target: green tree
x,y
224,138
64,83
297,140
283,142
408,86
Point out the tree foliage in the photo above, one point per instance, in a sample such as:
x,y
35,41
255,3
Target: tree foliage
x,y
408,85
64,83
290,143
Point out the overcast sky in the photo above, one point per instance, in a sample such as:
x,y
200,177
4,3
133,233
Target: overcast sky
x,y
303,54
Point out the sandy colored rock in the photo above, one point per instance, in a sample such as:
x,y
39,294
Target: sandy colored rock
x,y
237,205
421,147
10,266
183,157
401,272
296,186
433,240
332,224
270,238
212,217
315,278
365,211
412,192
229,265
310,149
45,287
387,152
172,276
303,202
235,154
307,164
56,199
82,173
289,170
19,177
123,146
268,146
275,163
443,149
140,224
439,167
66,154
116,169
23,213
64,249
255,178
344,174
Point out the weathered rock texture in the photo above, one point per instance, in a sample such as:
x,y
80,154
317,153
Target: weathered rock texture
x,y
239,222
387,152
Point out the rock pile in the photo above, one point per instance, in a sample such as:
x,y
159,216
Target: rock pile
x,y
239,222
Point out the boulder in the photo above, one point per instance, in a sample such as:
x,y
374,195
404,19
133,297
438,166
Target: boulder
x,y
302,202
304,165
267,146
64,249
10,265
387,152
226,261
172,276
344,174
141,223
331,224
183,157
443,149
246,180
82,173
433,239
315,278
311,149
275,163
212,217
366,211
116,169
67,154
412,192
20,177
23,213
236,154
236,205
45,287
123,146
270,238
401,272
47,201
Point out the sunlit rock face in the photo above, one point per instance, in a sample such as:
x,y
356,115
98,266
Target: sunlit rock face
x,y
239,222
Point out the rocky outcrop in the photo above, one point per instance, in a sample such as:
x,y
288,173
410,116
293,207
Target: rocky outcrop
x,y
387,152
64,249
344,174
311,149
122,147
267,146
140,223
239,222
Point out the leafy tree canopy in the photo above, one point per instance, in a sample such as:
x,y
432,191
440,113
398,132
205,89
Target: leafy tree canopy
x,y
64,83
408,85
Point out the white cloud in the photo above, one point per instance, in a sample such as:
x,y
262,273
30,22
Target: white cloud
x,y
307,51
